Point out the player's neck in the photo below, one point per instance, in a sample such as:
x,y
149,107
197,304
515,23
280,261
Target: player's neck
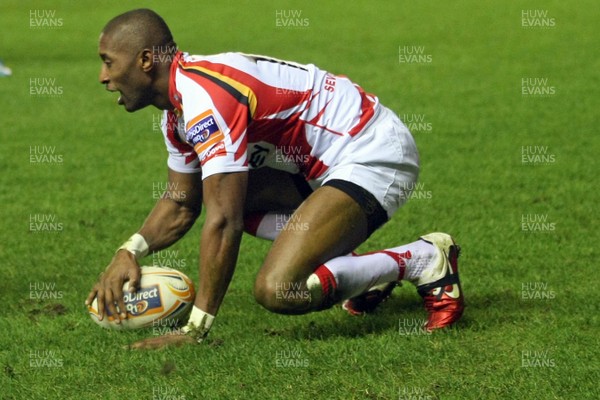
x,y
161,98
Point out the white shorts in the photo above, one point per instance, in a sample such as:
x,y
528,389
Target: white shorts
x,y
383,159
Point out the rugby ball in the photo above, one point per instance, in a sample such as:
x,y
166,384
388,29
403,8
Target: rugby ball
x,y
165,299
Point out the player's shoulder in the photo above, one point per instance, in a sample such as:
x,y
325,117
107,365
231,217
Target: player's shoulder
x,y
231,57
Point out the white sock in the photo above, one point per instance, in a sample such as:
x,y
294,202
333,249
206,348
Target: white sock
x,y
266,225
417,257
357,274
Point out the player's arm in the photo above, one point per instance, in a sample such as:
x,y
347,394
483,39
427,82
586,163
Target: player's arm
x,y
224,200
224,196
175,212
172,216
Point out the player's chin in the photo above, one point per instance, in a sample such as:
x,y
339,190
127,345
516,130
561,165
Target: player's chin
x,y
132,105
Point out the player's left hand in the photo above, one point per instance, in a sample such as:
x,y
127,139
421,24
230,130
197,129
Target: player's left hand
x,y
173,339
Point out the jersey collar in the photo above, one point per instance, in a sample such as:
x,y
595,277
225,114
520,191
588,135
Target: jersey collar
x,y
174,95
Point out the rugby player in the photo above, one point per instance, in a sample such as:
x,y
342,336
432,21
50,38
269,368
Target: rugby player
x,y
285,151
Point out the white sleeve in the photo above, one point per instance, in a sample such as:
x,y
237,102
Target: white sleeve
x,y
182,157
218,135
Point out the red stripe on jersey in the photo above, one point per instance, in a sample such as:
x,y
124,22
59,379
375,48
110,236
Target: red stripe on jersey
x,y
241,150
272,99
280,132
269,99
174,95
367,110
232,111
314,121
317,168
172,136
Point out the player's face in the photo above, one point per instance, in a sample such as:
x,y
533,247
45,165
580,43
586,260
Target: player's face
x,y
123,71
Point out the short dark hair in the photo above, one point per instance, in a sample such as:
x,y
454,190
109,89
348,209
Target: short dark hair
x,y
141,28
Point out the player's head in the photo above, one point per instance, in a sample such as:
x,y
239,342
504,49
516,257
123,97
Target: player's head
x,y
136,49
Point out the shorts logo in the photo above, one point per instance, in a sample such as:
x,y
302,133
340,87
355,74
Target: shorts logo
x,y
203,132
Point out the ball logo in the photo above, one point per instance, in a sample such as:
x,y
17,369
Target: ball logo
x,y
137,309
143,301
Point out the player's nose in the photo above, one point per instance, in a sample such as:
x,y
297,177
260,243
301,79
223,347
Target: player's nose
x,y
103,77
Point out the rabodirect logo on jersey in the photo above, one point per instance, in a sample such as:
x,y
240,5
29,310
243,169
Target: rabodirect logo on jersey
x,y
202,128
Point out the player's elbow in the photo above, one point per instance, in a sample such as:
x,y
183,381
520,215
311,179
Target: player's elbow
x,y
231,225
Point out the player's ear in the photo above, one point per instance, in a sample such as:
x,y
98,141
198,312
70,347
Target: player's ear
x,y
146,60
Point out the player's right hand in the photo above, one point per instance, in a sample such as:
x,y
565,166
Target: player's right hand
x,y
109,288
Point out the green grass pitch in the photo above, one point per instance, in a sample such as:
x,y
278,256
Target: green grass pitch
x,y
502,98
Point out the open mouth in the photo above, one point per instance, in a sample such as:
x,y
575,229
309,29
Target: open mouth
x,y
120,99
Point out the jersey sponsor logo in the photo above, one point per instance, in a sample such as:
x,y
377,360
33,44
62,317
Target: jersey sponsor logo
x,y
258,156
216,151
203,132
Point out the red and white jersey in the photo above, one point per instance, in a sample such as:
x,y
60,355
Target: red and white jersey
x,y
235,111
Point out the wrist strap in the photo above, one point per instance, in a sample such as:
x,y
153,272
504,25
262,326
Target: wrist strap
x,y
136,245
198,324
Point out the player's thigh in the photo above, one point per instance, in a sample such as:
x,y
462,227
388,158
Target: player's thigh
x,y
274,190
329,223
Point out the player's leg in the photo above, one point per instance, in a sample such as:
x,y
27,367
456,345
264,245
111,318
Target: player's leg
x,y
333,221
430,262
271,190
272,197
340,223
328,224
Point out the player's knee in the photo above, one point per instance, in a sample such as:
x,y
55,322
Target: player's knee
x,y
281,296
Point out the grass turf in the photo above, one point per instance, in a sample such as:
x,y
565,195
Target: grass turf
x,y
531,326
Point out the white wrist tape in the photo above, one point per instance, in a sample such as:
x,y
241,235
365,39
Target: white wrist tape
x,y
198,324
136,245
